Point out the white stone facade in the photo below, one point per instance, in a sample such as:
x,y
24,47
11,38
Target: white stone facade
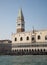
x,y
24,36
37,36
43,36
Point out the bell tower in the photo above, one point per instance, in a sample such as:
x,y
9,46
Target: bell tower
x,y
20,22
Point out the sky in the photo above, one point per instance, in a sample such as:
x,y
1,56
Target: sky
x,y
34,11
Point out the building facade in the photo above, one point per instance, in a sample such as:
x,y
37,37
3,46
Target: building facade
x,y
31,42
27,37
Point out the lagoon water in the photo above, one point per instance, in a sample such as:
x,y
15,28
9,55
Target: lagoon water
x,y
23,60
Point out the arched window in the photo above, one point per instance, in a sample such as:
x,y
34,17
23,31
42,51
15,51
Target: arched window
x,y
15,39
35,49
39,37
15,50
41,50
32,38
22,50
38,49
27,50
44,49
46,37
27,38
32,50
21,39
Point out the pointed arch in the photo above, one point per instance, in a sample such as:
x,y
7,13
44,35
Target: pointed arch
x,y
21,38
46,37
27,38
39,37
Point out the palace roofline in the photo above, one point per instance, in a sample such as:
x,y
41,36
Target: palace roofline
x,y
31,31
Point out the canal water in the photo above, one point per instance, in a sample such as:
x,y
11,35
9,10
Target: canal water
x,y
23,60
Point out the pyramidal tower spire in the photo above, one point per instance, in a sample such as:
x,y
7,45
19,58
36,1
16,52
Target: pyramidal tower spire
x,y
20,14
20,21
